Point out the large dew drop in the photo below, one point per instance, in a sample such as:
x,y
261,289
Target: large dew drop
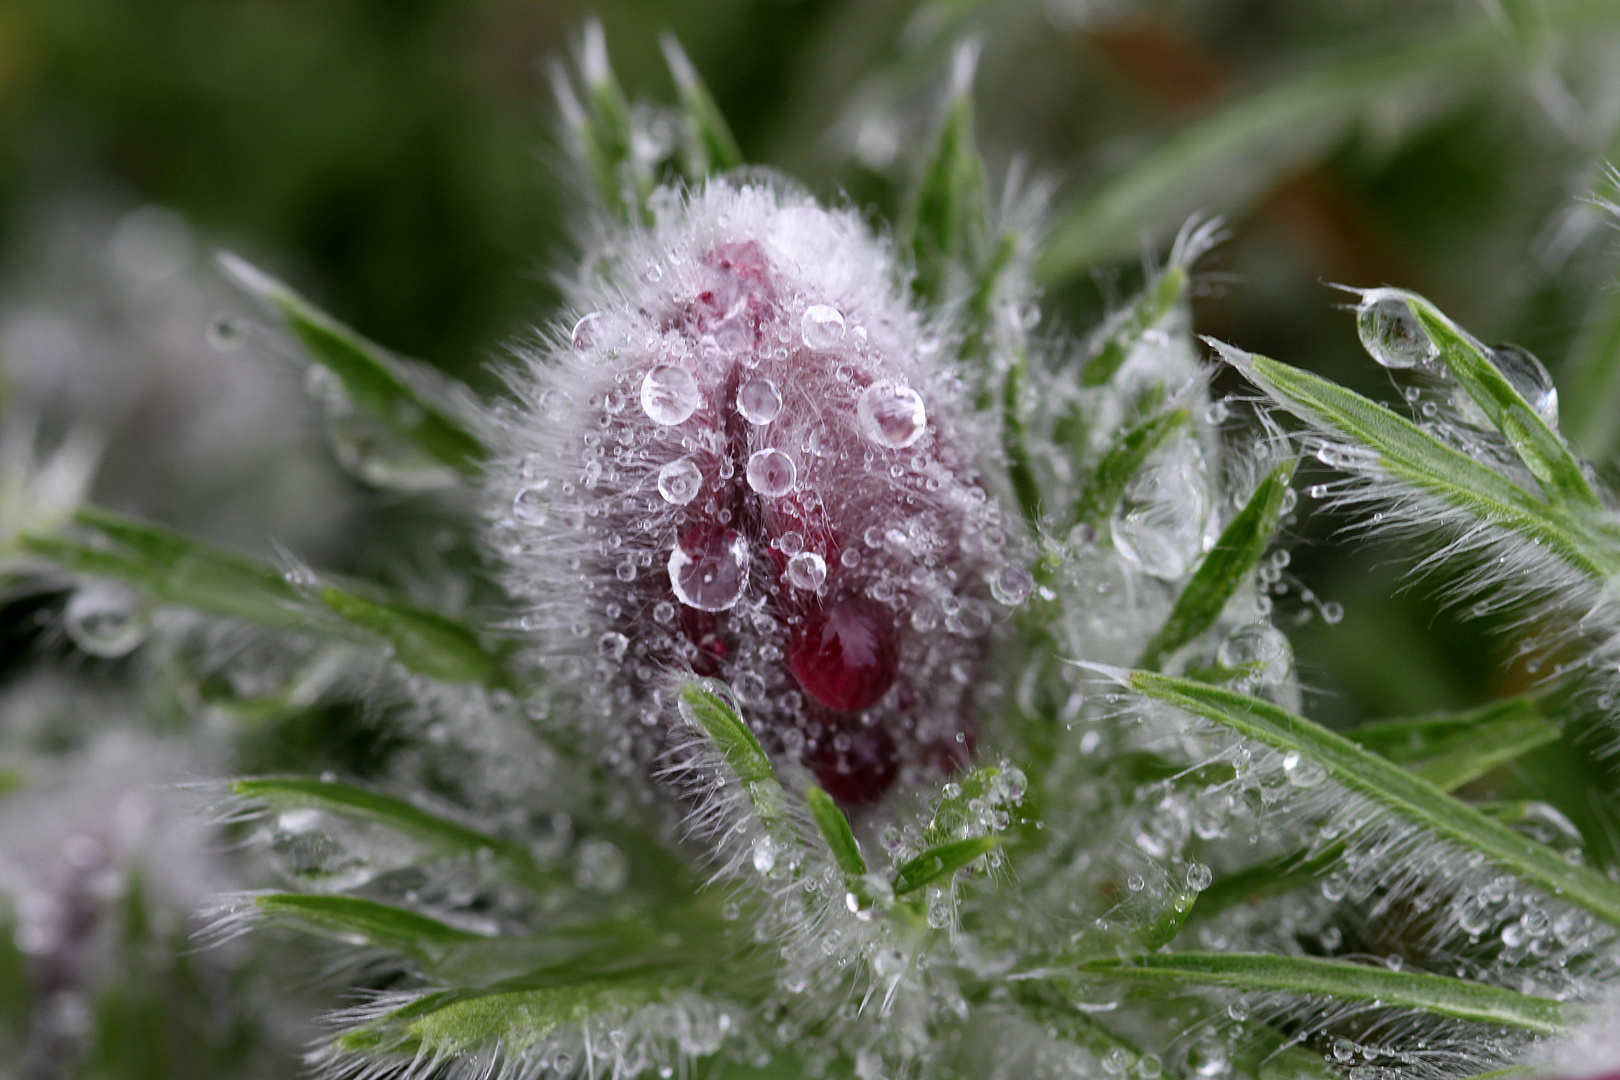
x,y
845,655
822,327
891,415
771,473
1159,524
1529,377
679,481
759,400
709,567
1390,332
105,619
669,395
807,571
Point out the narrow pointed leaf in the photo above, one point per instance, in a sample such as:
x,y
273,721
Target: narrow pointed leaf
x,y
373,380
713,715
949,213
365,922
1015,443
1410,454
940,863
433,830
447,1023
1126,329
1409,797
1541,449
835,830
1225,568
1341,981
1122,461
181,570
707,143
424,641
604,134
1590,412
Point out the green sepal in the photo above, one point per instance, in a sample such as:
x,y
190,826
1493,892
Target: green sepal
x,y
605,135
424,641
372,379
1340,980
1120,462
707,145
1449,750
710,713
1542,450
1223,571
941,862
1146,311
1409,797
947,221
835,830
1015,443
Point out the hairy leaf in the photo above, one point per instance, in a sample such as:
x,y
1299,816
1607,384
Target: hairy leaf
x,y
707,144
940,862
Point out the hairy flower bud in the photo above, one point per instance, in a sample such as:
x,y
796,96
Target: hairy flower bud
x,y
748,462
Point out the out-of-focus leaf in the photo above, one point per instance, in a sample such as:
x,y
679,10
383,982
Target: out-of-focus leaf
x,y
707,143
1120,462
835,830
1127,327
946,225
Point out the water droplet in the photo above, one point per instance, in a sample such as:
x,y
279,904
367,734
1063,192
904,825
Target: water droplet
x,y
1199,877
708,569
1390,332
226,333
1011,585
600,867
612,645
1150,1067
1159,524
759,400
822,327
771,472
891,415
807,571
669,395
587,332
1332,612
764,855
844,654
1261,651
105,618
679,481
1529,377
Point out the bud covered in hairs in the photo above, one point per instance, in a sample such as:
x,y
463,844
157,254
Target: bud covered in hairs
x,y
749,460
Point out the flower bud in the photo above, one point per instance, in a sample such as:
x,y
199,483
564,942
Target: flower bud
x,y
749,462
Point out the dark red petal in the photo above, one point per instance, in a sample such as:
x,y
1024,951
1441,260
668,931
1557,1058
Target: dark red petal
x,y
844,655
862,771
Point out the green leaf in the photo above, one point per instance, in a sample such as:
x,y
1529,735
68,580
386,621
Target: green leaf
x,y
1541,449
835,830
713,715
1156,301
707,144
366,922
1015,443
450,1022
424,641
604,134
373,380
1410,454
1409,797
1224,569
181,570
955,811
1341,981
946,224
431,830
1449,750
941,862
1122,461
1269,134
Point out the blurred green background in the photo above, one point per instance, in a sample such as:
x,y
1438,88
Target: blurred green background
x,y
397,160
